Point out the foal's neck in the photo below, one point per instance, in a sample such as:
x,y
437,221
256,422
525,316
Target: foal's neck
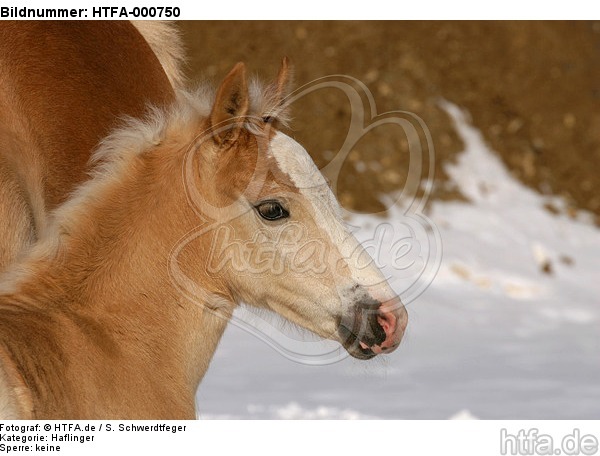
x,y
103,306
109,241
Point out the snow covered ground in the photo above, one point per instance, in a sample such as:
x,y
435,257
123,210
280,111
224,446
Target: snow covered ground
x,y
509,327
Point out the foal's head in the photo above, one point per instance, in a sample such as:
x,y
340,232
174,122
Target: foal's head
x,y
276,238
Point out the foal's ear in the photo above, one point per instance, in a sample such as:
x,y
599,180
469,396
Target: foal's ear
x,y
284,79
278,91
231,105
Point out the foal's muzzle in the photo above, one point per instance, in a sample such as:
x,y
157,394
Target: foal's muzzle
x,y
372,327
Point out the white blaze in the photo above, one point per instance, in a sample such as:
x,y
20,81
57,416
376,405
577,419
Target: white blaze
x,y
293,160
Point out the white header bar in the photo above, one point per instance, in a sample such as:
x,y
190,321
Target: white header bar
x,y
308,10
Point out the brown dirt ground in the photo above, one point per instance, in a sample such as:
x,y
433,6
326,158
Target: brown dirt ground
x,y
532,88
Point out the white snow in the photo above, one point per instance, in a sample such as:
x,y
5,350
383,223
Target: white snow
x,y
463,415
509,327
294,411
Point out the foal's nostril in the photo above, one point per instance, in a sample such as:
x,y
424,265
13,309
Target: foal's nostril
x,y
393,319
387,321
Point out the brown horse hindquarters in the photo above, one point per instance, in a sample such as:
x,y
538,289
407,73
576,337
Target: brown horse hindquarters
x,y
63,87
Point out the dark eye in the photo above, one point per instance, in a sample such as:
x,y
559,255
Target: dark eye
x,y
267,119
272,210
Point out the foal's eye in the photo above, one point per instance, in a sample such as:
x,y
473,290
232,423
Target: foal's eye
x,y
267,119
272,210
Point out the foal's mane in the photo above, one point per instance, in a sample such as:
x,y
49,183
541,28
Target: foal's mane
x,y
177,123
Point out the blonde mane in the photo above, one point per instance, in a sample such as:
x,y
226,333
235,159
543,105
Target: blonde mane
x,y
135,136
165,41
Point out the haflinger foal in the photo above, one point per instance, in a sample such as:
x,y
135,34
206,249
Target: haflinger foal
x,y
93,320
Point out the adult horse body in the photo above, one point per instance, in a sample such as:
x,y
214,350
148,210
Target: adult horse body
x,y
114,312
63,87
